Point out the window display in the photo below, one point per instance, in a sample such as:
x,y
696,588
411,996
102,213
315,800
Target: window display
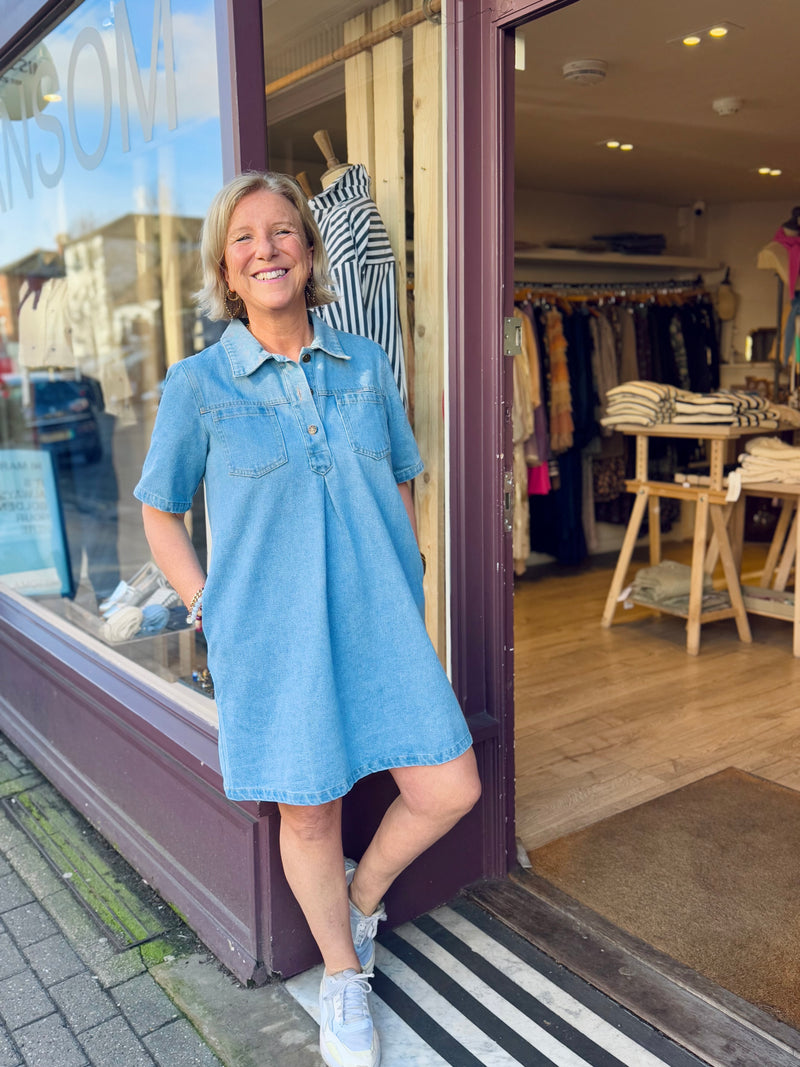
x,y
111,153
354,106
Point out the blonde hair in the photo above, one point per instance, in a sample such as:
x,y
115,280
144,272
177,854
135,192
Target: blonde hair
x,y
212,297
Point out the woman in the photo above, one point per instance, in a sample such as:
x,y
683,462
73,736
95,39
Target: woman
x,y
313,605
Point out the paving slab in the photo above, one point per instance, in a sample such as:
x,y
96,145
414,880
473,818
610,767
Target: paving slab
x,y
49,1042
114,1044
53,959
23,999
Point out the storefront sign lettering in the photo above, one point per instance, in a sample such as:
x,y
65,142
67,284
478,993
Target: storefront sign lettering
x,y
34,80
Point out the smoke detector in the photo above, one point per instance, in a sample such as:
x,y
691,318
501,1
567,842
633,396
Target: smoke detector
x,y
727,105
585,71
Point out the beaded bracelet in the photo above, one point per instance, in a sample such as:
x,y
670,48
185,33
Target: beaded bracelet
x,y
195,606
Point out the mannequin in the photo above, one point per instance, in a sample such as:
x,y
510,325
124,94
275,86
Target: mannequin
x,y
782,254
362,262
335,168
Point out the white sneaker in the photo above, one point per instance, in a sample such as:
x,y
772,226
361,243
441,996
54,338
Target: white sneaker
x,y
363,927
347,1037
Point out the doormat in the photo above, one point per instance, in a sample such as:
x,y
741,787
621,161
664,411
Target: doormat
x,y
708,874
99,878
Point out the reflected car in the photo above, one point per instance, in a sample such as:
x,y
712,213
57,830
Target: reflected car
x,y
62,415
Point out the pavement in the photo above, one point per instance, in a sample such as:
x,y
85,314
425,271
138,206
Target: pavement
x,y
96,970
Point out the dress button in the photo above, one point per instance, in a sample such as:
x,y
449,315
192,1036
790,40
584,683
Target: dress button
x,y
312,430
306,357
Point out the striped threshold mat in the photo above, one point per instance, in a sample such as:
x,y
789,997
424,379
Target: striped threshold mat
x,y
458,987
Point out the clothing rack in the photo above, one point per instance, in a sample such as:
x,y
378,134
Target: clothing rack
x,y
665,290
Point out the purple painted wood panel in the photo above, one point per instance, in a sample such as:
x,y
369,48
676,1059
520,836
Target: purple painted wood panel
x,y
243,102
480,124
480,419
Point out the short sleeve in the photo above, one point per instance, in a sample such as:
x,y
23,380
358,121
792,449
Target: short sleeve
x,y
176,460
406,460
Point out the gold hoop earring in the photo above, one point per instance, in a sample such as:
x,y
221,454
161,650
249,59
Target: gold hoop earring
x,y
233,303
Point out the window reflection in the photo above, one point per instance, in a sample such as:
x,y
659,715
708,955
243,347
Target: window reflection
x,y
110,138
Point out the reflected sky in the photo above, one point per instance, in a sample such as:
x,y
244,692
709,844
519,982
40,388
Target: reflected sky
x,y
95,138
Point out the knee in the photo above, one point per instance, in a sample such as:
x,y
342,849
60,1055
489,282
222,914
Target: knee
x,y
469,794
313,822
448,804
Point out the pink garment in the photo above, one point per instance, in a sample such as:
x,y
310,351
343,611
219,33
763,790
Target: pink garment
x,y
792,246
539,480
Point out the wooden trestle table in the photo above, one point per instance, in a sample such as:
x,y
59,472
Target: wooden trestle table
x,y
710,507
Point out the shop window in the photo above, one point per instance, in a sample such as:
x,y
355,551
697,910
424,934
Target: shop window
x,y
354,111
109,156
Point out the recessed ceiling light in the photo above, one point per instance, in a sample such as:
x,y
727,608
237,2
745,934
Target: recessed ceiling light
x,y
774,173
626,147
716,30
612,144
764,170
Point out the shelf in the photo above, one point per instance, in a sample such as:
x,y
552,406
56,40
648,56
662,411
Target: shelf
x,y
573,255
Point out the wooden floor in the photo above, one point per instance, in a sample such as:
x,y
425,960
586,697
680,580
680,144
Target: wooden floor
x,y
606,719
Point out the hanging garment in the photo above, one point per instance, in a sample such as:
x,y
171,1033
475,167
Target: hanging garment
x,y
363,267
679,349
628,366
561,424
521,431
45,325
604,361
791,242
537,448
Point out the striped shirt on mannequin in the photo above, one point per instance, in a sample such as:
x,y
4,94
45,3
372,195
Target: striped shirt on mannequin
x,y
363,267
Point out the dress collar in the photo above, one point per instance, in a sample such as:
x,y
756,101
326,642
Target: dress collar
x,y
246,354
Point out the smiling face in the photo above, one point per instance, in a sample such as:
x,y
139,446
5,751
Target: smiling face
x,y
267,260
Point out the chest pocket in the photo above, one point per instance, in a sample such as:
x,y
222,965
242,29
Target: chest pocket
x,y
252,438
364,419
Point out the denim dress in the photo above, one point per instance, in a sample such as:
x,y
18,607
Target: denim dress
x,y
313,608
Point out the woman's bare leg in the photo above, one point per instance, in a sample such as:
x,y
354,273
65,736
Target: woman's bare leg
x,y
311,849
432,800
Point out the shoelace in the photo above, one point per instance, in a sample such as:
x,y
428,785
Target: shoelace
x,y
350,1000
367,926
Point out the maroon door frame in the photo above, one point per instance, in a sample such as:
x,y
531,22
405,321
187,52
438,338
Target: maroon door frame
x,y
480,118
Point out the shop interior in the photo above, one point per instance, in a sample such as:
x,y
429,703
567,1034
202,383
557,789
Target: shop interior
x,y
609,718
654,174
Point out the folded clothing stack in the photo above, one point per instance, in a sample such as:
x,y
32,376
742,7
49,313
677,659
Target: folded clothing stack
x,y
724,408
768,459
665,580
667,585
650,404
632,243
640,404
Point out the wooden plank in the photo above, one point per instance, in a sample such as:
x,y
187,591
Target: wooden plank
x,y
625,553
719,432
722,1029
358,96
389,184
731,572
675,491
429,318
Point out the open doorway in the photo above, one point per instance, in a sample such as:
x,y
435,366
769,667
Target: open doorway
x,y
608,718
650,175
